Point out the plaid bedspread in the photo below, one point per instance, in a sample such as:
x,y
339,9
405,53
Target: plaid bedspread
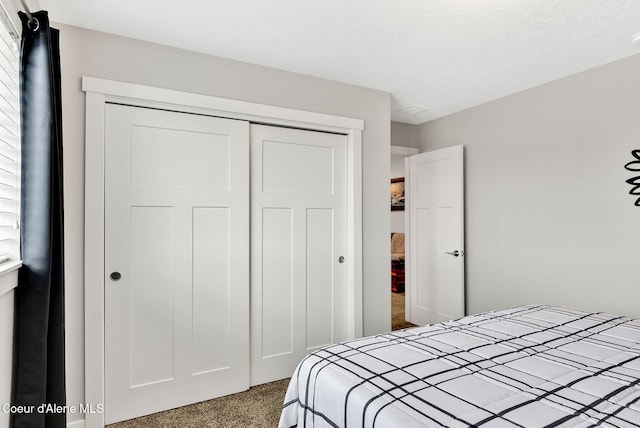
x,y
530,366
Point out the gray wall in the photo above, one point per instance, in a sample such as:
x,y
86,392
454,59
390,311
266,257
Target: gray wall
x,y
404,134
548,214
85,52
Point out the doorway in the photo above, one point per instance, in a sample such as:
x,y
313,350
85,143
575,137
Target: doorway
x,y
397,239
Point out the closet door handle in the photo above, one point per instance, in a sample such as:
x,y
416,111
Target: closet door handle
x,y
341,259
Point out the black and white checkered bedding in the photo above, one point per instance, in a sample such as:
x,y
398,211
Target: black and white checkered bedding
x,y
530,366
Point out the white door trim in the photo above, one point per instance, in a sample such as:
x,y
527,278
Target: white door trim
x,y
403,151
99,92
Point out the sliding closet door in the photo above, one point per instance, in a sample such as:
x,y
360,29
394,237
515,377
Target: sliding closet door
x,y
298,233
176,260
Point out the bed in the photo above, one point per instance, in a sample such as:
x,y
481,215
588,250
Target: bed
x,y
530,366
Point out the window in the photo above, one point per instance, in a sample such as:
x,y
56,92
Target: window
x,y
9,140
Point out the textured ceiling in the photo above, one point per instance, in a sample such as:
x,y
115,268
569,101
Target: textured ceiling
x,y
445,55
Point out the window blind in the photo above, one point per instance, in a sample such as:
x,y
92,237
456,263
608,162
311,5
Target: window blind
x,y
9,144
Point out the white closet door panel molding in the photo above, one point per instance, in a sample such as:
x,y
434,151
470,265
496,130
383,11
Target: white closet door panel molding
x,y
212,316
176,233
298,217
277,264
320,262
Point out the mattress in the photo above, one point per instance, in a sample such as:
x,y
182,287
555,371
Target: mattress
x,y
530,366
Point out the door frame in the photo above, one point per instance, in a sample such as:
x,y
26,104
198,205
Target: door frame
x,y
100,92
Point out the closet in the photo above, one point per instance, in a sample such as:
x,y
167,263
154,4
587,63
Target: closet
x,y
224,246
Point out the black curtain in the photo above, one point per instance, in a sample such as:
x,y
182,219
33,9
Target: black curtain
x,y
39,372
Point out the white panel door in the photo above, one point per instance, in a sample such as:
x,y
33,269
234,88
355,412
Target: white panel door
x,y
435,225
176,259
298,233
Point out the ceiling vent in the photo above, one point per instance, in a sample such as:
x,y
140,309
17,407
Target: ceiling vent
x,y
412,110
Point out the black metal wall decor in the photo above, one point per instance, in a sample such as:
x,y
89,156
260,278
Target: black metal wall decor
x,y
634,166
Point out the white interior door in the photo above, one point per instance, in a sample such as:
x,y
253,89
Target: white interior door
x,y
298,223
435,240
176,259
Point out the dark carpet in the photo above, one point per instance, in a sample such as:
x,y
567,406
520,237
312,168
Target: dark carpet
x,y
397,312
259,407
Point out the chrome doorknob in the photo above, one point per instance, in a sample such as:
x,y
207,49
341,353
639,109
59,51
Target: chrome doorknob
x,y
454,253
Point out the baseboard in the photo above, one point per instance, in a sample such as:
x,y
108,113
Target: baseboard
x,y
76,424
